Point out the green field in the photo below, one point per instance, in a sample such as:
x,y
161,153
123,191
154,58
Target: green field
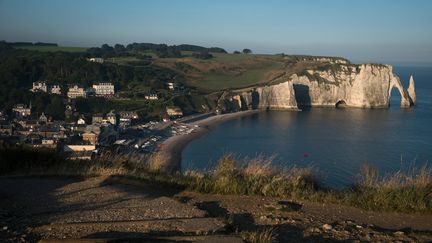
x,y
53,48
220,81
225,71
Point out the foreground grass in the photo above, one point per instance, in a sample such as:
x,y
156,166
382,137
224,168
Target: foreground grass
x,y
410,192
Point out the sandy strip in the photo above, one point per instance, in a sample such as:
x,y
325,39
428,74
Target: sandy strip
x,y
172,147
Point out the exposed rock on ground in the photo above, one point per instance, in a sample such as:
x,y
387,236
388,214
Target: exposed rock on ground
x,y
52,208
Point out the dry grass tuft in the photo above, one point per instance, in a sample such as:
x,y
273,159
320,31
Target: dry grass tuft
x,y
369,177
258,166
264,236
226,165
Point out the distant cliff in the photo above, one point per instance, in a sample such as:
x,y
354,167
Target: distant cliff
x,y
332,85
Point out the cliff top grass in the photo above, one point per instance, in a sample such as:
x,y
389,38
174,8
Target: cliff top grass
x,y
234,71
400,192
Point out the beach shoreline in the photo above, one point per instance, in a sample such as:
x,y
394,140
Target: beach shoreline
x,y
172,148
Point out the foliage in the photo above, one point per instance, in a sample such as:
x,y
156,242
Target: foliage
x,y
267,235
247,51
202,55
22,158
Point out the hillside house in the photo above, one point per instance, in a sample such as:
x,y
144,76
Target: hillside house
x,y
43,118
104,89
96,59
174,111
6,128
76,91
151,96
39,86
21,110
112,118
97,118
55,89
171,85
90,137
81,121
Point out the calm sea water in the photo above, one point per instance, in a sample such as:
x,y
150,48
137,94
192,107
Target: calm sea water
x,y
337,142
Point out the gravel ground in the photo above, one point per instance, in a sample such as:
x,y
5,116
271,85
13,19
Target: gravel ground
x,y
53,208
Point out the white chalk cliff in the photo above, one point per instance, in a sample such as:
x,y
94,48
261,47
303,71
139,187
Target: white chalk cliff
x,y
363,86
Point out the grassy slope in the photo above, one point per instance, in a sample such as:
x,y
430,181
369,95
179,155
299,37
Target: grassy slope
x,y
53,48
226,71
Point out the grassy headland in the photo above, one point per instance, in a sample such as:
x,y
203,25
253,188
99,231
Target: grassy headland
x,y
400,192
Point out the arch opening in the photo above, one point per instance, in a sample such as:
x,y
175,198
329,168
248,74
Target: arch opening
x,y
340,104
395,97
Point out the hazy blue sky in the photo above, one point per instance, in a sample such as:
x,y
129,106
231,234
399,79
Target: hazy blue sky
x,y
368,30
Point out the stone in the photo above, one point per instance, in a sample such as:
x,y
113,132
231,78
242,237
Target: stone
x,y
327,227
411,91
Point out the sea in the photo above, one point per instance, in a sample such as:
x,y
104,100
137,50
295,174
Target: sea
x,y
336,143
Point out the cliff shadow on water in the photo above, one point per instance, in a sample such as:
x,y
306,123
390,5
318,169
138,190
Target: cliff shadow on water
x,y
302,96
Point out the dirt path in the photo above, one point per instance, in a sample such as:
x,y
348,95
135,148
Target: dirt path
x,y
33,208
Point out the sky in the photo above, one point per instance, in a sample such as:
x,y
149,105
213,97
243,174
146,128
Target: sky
x,y
389,31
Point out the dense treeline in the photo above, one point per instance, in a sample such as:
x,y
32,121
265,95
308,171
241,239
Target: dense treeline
x,y
31,44
161,50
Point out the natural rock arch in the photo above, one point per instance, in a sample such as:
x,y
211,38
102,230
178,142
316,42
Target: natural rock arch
x,y
396,84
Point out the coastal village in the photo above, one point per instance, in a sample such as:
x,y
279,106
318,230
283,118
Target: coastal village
x,y
90,135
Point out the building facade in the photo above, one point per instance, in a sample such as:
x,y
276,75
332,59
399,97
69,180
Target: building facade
x,y
76,91
174,111
151,97
96,59
55,89
90,137
112,118
22,110
40,86
104,89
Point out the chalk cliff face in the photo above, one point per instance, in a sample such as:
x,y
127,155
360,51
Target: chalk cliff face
x,y
411,91
363,86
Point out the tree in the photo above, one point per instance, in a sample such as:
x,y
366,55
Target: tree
x,y
56,108
236,52
247,51
118,48
202,55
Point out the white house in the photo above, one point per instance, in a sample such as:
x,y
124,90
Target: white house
x,y
171,85
151,97
81,121
76,91
21,110
104,89
40,86
96,59
55,89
